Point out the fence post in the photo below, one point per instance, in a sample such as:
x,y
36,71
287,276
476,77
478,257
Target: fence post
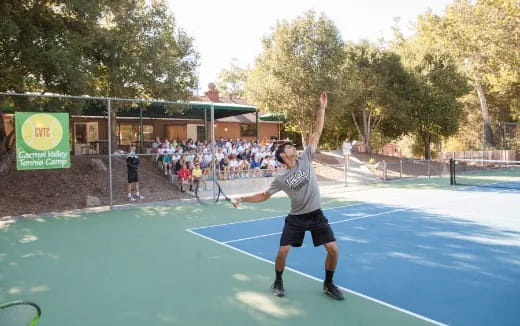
x,y
384,170
400,169
452,172
109,151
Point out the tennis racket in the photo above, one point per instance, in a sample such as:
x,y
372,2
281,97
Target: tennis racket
x,y
197,187
19,313
221,192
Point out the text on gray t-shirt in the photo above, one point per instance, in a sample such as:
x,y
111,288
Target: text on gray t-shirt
x,y
300,184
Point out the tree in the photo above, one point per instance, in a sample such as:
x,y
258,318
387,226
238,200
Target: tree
x,y
232,81
114,48
42,44
373,91
483,37
140,53
434,109
298,62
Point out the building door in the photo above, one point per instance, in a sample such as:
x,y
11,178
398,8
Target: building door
x,y
201,135
176,132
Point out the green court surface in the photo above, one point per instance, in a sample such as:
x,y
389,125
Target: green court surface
x,y
140,266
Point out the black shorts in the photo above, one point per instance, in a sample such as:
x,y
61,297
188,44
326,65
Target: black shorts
x,y
296,225
132,176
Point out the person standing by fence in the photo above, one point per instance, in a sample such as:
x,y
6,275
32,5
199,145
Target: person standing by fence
x,y
347,151
132,165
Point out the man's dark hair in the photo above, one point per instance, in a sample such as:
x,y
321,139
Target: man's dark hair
x,y
280,150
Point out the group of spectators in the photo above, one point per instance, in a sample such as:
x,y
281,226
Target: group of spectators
x,y
191,161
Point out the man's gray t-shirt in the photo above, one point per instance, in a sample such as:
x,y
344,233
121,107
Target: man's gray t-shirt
x,y
300,184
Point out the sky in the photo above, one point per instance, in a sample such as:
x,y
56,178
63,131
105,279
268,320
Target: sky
x,y
227,29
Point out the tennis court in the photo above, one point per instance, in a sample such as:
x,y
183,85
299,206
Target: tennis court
x,y
412,253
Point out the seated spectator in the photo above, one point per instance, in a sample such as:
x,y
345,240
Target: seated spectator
x,y
155,147
271,165
234,167
205,164
224,168
166,143
184,176
167,163
244,168
255,165
198,176
219,155
264,165
179,165
160,154
190,156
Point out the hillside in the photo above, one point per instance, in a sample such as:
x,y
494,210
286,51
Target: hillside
x,y
37,191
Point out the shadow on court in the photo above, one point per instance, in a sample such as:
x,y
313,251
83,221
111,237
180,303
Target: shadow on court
x,y
141,267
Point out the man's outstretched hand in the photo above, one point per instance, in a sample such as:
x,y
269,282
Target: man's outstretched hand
x,y
236,202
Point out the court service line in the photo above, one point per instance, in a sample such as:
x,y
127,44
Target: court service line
x,y
347,220
264,218
364,296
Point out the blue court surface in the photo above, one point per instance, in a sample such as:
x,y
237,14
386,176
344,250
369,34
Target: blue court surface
x,y
440,268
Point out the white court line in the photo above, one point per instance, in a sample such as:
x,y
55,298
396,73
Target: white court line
x,y
497,191
341,221
386,304
225,244
264,218
255,237
371,215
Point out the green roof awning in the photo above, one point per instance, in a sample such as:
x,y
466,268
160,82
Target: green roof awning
x,y
222,110
97,106
188,110
277,116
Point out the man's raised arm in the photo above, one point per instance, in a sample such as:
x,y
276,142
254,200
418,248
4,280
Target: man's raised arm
x,y
314,138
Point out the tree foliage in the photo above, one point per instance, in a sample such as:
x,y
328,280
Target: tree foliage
x,y
232,81
299,61
373,91
434,109
113,48
483,37
117,48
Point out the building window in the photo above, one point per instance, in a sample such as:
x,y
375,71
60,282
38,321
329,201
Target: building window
x,y
247,130
148,132
201,133
129,133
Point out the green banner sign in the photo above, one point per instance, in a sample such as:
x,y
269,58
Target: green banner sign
x,y
42,140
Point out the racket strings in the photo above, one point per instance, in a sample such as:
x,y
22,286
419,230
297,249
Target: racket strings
x,y
21,314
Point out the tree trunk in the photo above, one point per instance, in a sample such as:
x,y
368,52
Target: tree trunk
x,y
6,153
6,160
304,134
487,131
365,133
366,142
427,148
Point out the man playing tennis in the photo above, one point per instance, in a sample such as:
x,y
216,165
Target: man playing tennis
x,y
300,184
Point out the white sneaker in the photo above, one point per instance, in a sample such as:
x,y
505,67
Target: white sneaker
x,y
138,197
131,198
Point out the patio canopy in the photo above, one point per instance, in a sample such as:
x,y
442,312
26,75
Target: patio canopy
x,y
277,116
188,110
98,106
